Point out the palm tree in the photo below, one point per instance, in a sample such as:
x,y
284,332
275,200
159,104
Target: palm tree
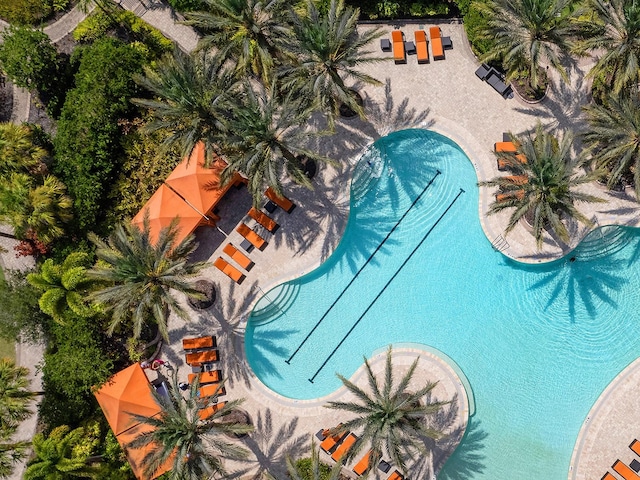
x,y
18,152
192,93
56,456
615,33
250,33
526,34
143,277
310,468
391,417
329,51
65,286
194,447
14,396
10,454
35,211
548,196
613,138
268,141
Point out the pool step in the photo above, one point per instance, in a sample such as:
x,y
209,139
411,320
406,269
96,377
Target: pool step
x,y
603,241
274,303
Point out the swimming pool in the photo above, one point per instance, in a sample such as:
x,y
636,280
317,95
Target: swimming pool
x,y
538,343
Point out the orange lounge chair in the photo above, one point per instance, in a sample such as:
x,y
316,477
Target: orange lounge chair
x,y
395,476
205,413
229,270
436,43
505,163
212,389
283,202
206,377
253,238
263,219
608,476
344,447
518,194
397,39
635,446
237,256
517,179
329,443
199,358
624,471
199,343
363,464
505,147
422,49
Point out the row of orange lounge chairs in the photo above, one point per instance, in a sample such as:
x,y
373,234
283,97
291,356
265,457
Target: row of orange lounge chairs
x,y
199,352
627,472
509,147
251,238
338,445
421,45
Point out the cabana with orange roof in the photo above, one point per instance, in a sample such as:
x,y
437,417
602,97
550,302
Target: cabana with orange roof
x,y
195,190
125,393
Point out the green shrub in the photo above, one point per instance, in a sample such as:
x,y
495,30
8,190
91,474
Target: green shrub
x,y
304,467
93,27
390,9
474,24
25,12
187,5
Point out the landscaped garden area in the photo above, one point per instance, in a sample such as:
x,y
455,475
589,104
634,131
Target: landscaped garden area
x,y
116,106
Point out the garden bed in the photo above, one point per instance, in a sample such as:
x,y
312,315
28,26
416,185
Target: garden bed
x,y
6,99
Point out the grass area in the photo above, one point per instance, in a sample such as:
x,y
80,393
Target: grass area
x,y
7,349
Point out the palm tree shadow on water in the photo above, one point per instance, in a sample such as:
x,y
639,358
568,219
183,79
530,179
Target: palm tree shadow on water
x,y
468,459
591,272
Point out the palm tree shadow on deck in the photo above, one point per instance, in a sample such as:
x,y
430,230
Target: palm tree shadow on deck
x,y
271,447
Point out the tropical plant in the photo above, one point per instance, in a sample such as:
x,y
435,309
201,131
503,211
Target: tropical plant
x,y
329,51
267,140
20,314
549,192
312,468
612,138
192,96
36,211
614,33
391,417
57,457
10,453
65,285
14,395
193,447
527,34
251,33
18,152
142,276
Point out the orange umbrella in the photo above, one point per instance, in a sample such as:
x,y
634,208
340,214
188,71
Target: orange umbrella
x,y
163,206
125,393
200,186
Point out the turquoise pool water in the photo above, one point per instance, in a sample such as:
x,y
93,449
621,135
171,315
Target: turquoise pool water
x,y
538,343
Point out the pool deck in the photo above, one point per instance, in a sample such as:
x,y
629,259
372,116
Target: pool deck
x,y
446,97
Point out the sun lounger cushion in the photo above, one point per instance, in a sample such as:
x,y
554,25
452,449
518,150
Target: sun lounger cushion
x,y
363,464
237,256
251,236
624,471
202,357
344,447
329,443
229,270
395,476
517,179
264,220
436,43
397,38
206,377
434,32
421,46
205,413
518,194
283,202
635,446
505,147
211,390
199,343
608,476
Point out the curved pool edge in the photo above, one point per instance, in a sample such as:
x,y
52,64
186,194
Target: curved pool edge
x,y
522,251
449,381
594,417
